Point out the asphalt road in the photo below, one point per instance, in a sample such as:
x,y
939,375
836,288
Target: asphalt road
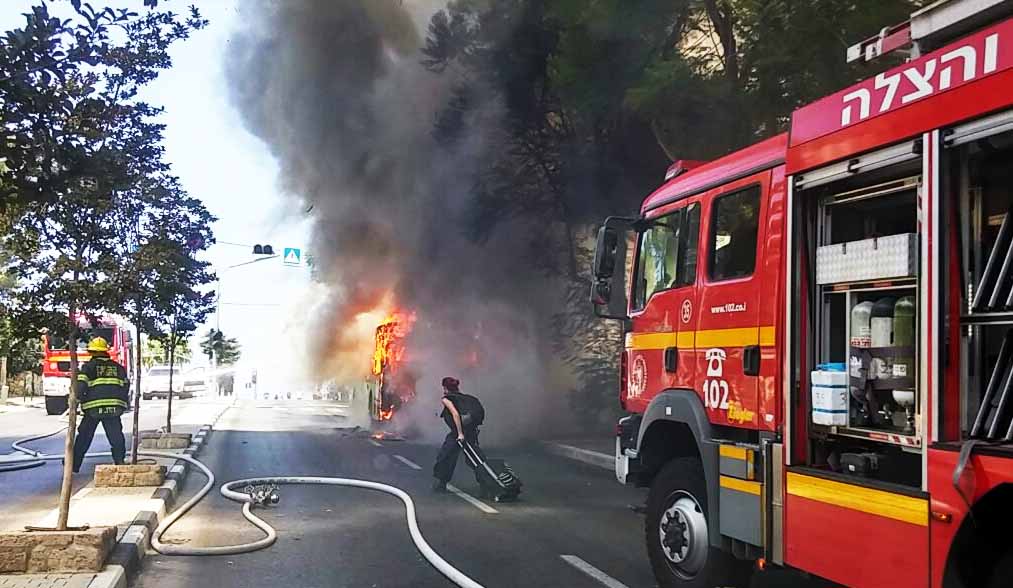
x,y
28,495
571,516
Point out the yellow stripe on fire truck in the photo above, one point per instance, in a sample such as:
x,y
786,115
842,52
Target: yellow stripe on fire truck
x,y
739,337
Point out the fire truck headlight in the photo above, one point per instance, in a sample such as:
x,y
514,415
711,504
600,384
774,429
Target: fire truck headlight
x,y
52,365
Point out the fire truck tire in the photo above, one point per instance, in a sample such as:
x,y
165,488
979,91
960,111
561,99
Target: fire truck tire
x,y
677,536
1003,571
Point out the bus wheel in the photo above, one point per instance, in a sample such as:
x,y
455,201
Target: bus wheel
x,y
676,531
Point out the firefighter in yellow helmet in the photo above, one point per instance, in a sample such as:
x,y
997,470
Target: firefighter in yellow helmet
x,y
102,393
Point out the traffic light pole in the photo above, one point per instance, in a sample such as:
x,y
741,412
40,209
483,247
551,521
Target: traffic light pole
x,y
218,302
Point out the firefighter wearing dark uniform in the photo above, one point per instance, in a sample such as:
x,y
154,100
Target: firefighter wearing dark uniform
x,y
446,459
102,394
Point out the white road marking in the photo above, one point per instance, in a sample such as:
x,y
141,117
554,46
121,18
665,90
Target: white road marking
x,y
408,462
375,443
603,578
471,499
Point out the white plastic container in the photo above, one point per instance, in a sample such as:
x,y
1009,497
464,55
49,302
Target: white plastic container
x,y
893,256
830,398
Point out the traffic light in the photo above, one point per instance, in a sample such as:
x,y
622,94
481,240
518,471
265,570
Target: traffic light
x,y
259,249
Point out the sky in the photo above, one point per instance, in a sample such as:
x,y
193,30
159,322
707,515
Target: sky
x,y
233,173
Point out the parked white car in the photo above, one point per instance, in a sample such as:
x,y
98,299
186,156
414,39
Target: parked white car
x,y
195,381
155,383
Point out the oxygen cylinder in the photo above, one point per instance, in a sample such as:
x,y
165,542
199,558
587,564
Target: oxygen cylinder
x,y
861,328
861,338
881,326
882,336
904,335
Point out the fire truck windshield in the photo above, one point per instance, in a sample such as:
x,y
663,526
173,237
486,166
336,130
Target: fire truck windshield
x,y
84,337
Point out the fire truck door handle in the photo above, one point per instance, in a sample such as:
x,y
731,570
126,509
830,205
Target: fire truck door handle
x,y
751,360
671,359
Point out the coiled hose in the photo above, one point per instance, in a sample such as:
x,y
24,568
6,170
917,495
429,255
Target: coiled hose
x,y
227,490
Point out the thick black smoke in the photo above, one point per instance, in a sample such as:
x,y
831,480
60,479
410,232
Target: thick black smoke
x,y
336,91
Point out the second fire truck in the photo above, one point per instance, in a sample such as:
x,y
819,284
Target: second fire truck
x,y
818,362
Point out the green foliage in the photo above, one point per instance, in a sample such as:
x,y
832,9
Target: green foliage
x,y
83,160
221,349
155,353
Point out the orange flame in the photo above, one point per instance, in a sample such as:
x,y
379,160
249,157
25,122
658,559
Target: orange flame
x,y
389,349
386,415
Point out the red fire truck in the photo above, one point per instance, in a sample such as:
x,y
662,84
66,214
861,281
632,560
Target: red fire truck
x,y
818,362
56,356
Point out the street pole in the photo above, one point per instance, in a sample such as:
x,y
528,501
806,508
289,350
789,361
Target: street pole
x,y
218,313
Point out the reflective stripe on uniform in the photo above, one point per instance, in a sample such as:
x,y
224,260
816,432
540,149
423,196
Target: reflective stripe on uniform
x,y
82,377
103,402
110,381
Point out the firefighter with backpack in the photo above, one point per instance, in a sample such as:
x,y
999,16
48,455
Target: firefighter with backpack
x,y
463,413
102,390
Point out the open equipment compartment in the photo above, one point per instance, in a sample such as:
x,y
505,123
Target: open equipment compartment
x,y
864,395
983,173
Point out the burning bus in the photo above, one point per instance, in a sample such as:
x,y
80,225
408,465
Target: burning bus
x,y
393,379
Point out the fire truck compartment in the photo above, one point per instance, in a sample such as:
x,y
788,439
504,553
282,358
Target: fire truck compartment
x,y
864,403
982,171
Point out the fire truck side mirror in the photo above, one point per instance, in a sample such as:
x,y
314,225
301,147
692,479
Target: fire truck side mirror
x,y
605,253
601,292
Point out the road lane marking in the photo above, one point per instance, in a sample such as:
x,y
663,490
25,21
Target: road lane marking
x,y
603,578
375,443
471,499
408,462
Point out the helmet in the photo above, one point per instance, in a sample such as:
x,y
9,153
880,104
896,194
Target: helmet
x,y
98,344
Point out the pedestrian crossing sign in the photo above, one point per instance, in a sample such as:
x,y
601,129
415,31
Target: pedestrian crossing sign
x,y
293,256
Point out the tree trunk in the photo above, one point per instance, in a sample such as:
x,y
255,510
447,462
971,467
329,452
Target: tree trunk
x,y
722,17
68,448
136,441
172,359
3,379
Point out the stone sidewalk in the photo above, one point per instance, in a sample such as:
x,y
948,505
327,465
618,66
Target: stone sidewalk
x,y
48,581
135,512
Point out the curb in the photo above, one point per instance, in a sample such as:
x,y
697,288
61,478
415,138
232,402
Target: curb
x,y
595,458
124,562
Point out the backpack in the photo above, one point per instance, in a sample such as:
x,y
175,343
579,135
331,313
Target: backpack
x,y
471,409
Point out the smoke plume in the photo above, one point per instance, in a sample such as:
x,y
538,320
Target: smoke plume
x,y
334,88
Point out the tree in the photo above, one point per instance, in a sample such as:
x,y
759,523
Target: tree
x,y
222,350
77,142
156,353
595,99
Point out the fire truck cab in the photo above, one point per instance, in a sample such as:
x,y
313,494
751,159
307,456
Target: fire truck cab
x,y
818,359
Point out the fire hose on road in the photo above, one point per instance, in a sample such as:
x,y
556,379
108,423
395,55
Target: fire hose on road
x,y
259,497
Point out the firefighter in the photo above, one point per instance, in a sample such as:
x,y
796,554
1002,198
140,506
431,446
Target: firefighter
x,y
446,459
102,392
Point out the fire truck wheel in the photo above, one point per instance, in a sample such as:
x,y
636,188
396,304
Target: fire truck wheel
x,y
676,532
1003,571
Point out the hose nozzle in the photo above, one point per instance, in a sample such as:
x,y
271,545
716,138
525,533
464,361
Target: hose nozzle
x,y
263,494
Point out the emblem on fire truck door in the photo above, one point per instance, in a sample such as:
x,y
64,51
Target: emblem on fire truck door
x,y
715,388
638,377
687,311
